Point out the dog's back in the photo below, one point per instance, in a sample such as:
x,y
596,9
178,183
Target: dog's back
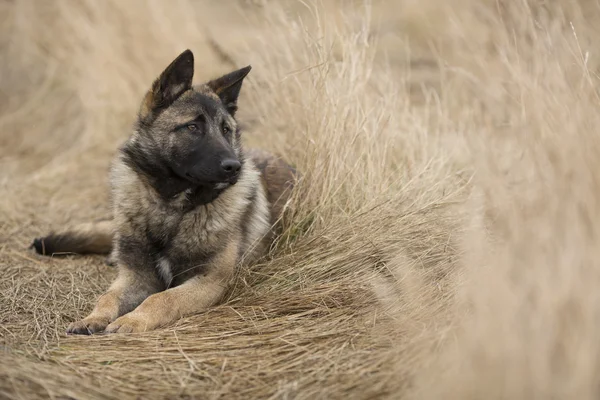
x,y
277,177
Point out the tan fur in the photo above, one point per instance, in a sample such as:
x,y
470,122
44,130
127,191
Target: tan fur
x,y
277,179
132,192
196,294
109,305
89,237
99,235
177,238
198,229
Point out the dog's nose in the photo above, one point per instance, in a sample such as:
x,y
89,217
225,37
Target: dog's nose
x,y
231,166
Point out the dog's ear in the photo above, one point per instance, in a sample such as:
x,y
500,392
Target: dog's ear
x,y
174,80
228,87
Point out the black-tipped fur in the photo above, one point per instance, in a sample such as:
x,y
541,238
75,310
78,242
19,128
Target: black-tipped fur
x,y
188,205
87,238
228,87
172,83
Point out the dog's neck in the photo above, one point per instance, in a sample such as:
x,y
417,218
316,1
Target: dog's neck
x,y
201,195
170,188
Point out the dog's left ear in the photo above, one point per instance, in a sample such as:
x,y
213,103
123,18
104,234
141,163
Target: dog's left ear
x,y
172,82
228,87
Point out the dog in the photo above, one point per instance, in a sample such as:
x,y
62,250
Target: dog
x,y
188,205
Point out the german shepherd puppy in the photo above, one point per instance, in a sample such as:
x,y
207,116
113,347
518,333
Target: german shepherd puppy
x,y
188,205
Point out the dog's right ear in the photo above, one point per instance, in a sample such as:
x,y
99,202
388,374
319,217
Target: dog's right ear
x,y
175,79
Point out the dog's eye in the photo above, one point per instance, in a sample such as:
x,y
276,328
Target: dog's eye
x,y
226,129
192,127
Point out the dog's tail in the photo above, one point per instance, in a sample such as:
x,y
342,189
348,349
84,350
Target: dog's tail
x,y
91,237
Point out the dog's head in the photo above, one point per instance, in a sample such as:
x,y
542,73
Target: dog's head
x,y
186,136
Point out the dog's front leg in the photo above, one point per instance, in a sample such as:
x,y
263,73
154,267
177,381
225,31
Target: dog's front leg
x,y
125,293
189,298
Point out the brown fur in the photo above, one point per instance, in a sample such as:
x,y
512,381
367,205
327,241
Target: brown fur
x,y
89,237
195,294
277,178
176,241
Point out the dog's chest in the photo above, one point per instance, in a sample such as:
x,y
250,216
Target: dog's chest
x,y
188,244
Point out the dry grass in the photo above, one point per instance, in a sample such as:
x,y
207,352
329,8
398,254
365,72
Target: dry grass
x,y
444,245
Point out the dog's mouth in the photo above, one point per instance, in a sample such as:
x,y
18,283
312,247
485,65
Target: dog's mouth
x,y
218,185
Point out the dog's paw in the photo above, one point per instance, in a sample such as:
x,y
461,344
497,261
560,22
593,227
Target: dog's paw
x,y
129,323
88,326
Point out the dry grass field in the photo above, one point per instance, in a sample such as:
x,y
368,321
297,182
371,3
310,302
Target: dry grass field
x,y
443,243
